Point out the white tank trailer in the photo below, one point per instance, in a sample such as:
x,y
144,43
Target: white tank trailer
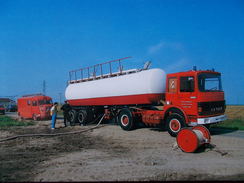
x,y
129,88
92,92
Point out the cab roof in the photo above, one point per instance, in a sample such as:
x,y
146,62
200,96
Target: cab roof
x,y
36,97
193,73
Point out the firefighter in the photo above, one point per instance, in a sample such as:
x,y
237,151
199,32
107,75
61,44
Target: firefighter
x,y
66,108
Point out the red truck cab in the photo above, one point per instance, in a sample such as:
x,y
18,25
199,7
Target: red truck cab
x,y
197,95
36,107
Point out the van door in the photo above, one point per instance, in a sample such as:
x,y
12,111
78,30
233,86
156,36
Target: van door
x,y
27,109
35,109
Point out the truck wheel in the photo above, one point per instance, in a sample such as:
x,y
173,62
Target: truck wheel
x,y
174,124
72,117
125,119
81,116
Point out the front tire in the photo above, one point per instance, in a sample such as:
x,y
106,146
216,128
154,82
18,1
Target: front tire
x,y
175,122
125,119
34,117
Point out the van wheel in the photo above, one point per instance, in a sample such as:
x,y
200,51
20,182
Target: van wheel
x,y
72,117
125,119
34,117
175,122
81,116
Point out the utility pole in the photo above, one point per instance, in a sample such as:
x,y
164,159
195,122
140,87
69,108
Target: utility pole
x,y
44,87
60,97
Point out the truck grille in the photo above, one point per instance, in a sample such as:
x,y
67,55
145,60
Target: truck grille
x,y
210,108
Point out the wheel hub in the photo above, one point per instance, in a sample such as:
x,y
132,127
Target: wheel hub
x,y
175,125
124,120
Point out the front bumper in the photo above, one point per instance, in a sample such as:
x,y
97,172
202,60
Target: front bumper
x,y
210,120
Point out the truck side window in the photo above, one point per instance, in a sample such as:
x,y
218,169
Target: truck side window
x,y
28,102
34,103
187,84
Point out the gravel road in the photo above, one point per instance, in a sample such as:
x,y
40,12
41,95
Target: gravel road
x,y
111,154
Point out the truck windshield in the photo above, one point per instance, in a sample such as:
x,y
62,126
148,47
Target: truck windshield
x,y
43,102
208,82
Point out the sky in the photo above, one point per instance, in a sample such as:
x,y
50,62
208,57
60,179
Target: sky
x,y
45,39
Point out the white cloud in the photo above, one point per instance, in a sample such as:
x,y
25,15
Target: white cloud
x,y
160,46
155,48
178,66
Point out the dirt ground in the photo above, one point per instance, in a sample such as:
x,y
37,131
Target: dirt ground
x,y
110,154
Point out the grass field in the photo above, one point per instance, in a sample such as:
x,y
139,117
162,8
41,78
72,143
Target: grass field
x,y
6,121
235,115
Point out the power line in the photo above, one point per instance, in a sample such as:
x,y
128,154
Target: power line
x,y
44,87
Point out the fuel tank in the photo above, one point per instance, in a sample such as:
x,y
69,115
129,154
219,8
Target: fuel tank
x,y
141,87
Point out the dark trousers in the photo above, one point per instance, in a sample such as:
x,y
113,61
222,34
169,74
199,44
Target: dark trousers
x,y
65,118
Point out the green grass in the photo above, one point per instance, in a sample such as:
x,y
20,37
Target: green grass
x,y
6,121
235,124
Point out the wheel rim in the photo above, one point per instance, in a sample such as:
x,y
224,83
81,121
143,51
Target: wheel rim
x,y
71,114
124,120
175,125
81,117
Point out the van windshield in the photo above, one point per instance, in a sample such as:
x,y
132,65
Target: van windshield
x,y
43,102
209,82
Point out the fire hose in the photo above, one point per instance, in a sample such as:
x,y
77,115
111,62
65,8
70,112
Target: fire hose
x,y
190,139
55,134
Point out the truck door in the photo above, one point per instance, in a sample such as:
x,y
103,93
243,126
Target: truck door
x,y
27,109
35,108
187,94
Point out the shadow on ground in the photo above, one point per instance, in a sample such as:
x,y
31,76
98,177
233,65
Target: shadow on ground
x,y
221,130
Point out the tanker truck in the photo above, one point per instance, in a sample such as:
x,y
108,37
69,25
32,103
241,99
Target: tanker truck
x,y
148,96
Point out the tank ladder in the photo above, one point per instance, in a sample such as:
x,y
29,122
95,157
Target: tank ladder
x,y
99,71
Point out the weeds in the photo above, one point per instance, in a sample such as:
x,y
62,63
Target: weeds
x,y
6,121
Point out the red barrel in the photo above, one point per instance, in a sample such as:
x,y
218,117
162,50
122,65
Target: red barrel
x,y
190,139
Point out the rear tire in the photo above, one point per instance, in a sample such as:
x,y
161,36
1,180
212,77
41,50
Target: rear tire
x,y
125,119
81,117
175,122
73,117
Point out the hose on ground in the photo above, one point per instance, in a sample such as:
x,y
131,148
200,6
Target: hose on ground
x,y
54,134
214,147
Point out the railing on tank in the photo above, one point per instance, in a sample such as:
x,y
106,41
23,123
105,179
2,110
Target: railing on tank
x,y
99,71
